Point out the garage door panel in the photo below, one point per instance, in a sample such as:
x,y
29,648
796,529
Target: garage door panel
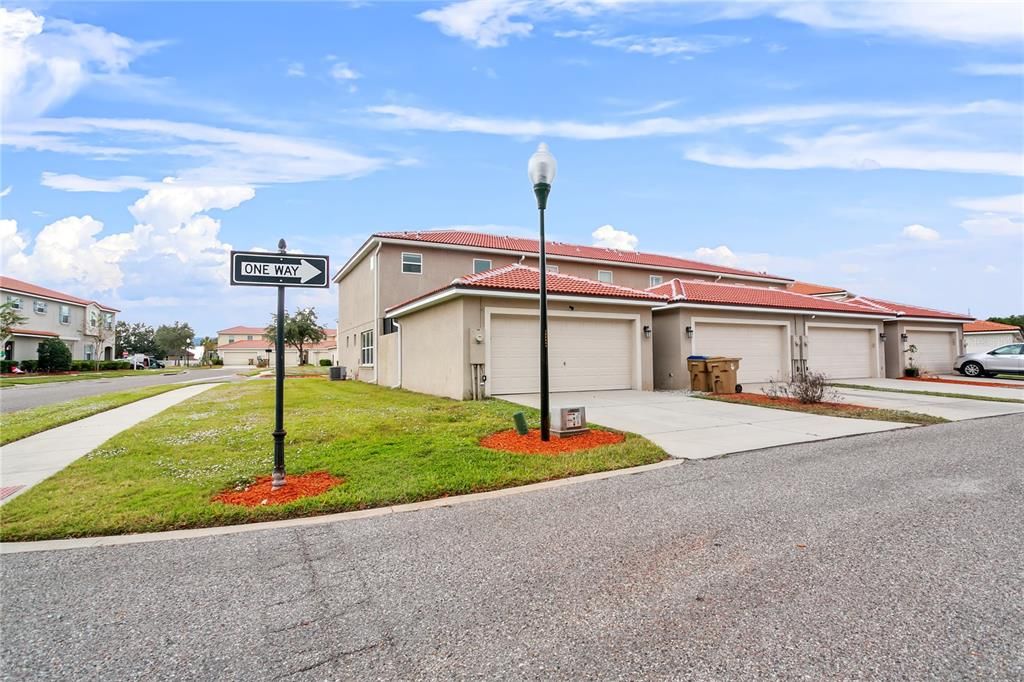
x,y
936,350
762,347
982,343
842,352
583,354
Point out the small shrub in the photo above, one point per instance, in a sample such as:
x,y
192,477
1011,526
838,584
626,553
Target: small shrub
x,y
324,362
82,365
7,365
54,356
30,365
218,361
807,388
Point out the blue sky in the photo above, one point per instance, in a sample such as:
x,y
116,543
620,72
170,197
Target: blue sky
x,y
875,146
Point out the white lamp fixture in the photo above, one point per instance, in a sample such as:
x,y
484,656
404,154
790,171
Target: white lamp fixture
x,y
542,167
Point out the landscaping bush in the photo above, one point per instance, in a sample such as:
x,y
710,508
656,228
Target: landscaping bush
x,y
218,361
30,365
115,364
7,365
324,362
82,365
807,388
54,356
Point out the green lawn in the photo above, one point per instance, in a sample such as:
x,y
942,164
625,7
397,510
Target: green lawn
x,y
82,376
939,394
17,425
829,410
390,446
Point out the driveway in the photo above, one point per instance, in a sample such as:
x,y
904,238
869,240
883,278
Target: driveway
x,y
25,396
885,556
991,391
954,409
693,428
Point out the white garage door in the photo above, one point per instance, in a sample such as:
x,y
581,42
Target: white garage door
x,y
584,354
936,350
762,347
842,353
983,343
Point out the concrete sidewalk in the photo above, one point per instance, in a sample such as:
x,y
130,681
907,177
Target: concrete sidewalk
x,y
936,387
26,462
954,409
691,428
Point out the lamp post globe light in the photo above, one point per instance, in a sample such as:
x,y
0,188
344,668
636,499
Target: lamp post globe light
x,y
542,169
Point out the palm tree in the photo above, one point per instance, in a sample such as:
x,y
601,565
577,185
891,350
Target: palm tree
x,y
209,348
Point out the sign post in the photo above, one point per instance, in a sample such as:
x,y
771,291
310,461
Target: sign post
x,y
259,269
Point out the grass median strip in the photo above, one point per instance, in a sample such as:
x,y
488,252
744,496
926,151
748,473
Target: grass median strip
x,y
24,423
28,380
390,446
937,394
826,409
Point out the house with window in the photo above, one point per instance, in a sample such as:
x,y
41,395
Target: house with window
x,y
982,336
87,327
244,345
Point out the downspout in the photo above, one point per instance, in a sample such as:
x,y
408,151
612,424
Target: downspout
x,y
375,264
398,384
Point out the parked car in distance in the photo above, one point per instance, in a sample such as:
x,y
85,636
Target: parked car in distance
x,y
1003,360
156,364
140,361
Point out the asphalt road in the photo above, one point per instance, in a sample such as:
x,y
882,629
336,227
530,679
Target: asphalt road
x,y
885,556
24,396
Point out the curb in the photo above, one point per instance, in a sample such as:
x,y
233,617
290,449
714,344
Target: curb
x,y
114,540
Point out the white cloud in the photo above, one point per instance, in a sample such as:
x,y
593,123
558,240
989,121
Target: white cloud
x,y
340,71
853,268
485,23
991,269
611,238
657,46
44,62
994,225
70,182
1009,203
296,70
993,69
6,191
12,246
921,233
719,255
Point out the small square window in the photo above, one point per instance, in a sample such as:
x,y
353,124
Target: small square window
x,y
15,302
39,307
480,265
412,263
604,276
551,268
656,280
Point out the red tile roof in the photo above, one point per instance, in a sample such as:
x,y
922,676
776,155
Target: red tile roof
x,y
242,330
904,310
17,285
813,289
694,291
523,245
262,343
32,332
526,279
986,326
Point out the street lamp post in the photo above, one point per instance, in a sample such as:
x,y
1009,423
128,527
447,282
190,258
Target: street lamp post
x,y
542,169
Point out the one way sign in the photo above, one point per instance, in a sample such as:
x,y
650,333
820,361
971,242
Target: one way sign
x,y
260,269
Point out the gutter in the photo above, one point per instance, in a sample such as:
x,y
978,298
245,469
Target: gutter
x,y
375,267
455,291
785,311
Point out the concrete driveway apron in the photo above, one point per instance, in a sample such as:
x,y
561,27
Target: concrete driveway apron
x,y
692,428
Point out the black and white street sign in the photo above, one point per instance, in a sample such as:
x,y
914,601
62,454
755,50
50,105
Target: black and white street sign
x,y
261,269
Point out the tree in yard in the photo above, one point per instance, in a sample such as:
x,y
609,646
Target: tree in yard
x,y
1015,320
135,338
300,330
209,345
9,319
174,339
101,326
54,356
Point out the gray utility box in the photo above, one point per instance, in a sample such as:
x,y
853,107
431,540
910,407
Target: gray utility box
x,y
337,373
569,421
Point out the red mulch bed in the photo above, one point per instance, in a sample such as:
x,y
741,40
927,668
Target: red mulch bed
x,y
937,380
531,444
261,494
761,399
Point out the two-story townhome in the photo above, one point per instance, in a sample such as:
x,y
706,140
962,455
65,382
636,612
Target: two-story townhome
x,y
243,345
87,327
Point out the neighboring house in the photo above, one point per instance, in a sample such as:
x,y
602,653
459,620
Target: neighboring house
x,y
87,327
819,290
776,333
243,345
392,267
982,336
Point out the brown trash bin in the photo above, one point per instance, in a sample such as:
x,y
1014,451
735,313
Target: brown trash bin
x,y
698,375
722,375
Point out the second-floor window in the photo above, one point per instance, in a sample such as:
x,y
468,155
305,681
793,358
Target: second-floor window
x,y
65,314
15,302
366,355
656,280
108,320
551,268
39,307
94,319
412,263
481,264
604,276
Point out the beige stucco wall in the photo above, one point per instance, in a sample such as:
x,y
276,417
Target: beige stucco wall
x,y
387,360
672,346
895,347
356,315
76,333
433,351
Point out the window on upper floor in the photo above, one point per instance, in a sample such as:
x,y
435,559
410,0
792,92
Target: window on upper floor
x,y
65,314
480,265
366,354
248,337
108,320
39,307
412,263
15,302
656,280
551,268
604,276
94,319
231,339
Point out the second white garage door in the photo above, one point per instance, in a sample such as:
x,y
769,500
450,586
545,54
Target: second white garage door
x,y
584,354
936,350
762,348
842,352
